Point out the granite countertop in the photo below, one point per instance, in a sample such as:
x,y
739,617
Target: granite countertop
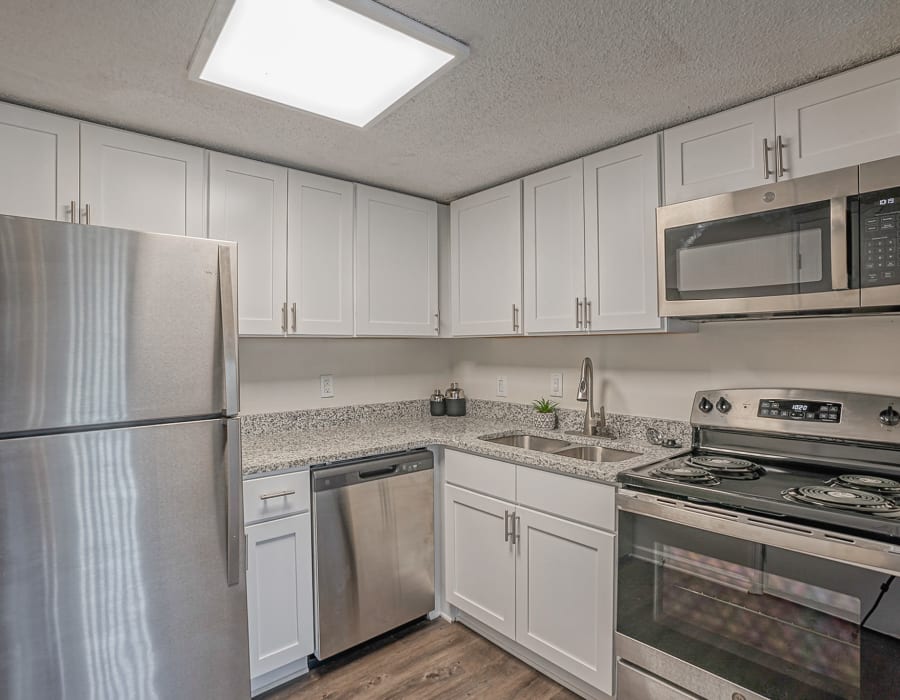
x,y
291,449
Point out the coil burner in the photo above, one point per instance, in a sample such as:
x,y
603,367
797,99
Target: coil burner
x,y
867,482
726,467
685,474
843,499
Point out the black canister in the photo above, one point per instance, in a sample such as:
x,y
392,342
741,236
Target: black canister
x,y
438,407
455,400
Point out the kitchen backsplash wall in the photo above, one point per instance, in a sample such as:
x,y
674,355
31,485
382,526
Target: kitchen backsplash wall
x,y
658,375
635,374
282,374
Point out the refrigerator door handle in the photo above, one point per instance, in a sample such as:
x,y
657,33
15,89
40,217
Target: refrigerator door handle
x,y
233,494
229,330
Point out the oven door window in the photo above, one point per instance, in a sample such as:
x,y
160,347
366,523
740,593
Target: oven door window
x,y
785,625
774,253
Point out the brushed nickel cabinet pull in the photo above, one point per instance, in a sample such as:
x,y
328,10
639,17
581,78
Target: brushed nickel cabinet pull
x,y
87,214
577,312
779,156
294,317
73,212
277,494
437,324
515,314
284,317
516,535
587,313
506,526
766,172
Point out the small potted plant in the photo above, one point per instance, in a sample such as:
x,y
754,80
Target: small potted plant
x,y
544,414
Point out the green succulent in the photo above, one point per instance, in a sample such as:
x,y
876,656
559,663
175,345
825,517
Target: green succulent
x,y
543,405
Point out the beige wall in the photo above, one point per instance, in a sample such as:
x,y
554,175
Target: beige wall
x,y
654,375
282,374
658,375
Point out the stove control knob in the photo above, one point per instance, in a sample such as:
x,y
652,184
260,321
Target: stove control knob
x,y
723,405
705,405
889,416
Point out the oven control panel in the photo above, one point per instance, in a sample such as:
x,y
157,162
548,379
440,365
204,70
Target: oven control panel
x,y
880,223
818,411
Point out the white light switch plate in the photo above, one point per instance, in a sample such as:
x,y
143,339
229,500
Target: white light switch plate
x,y
326,386
501,386
556,384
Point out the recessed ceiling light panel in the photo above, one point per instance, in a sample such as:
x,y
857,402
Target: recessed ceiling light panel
x,y
349,60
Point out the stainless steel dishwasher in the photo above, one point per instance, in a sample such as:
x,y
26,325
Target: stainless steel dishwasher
x,y
373,539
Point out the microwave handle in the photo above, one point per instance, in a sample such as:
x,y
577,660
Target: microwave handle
x,y
839,275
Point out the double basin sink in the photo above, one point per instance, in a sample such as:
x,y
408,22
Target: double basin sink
x,y
589,453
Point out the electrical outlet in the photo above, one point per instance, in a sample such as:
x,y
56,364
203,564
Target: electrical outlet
x,y
556,386
326,386
501,386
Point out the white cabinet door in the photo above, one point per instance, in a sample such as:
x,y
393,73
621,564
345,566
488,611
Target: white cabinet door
x,y
320,255
554,248
480,559
723,152
279,592
396,264
564,597
248,205
39,164
138,182
486,262
844,120
621,196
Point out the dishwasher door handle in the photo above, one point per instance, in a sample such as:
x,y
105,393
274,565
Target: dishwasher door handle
x,y
378,472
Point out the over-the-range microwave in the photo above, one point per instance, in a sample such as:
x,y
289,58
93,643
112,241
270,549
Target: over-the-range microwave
x,y
822,244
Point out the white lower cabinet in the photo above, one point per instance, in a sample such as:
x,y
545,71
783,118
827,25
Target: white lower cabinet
x,y
564,595
280,609
542,576
480,558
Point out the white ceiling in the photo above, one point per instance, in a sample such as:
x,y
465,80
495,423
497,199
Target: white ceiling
x,y
547,80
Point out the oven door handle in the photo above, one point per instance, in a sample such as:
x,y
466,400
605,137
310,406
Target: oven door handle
x,y
840,278
837,547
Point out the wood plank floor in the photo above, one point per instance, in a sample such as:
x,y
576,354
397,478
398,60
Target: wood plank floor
x,y
430,660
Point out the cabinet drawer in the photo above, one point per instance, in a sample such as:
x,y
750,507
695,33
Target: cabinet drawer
x,y
481,474
567,497
275,496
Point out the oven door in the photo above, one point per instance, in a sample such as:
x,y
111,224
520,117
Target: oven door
x,y
728,605
775,249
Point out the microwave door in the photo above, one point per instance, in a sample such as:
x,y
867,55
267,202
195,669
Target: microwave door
x,y
776,249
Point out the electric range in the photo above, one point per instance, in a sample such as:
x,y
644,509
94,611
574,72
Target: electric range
x,y
760,565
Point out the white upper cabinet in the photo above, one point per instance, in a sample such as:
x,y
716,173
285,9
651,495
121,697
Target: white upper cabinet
x,y
844,120
486,262
723,152
138,182
248,205
621,196
320,255
396,264
554,249
39,164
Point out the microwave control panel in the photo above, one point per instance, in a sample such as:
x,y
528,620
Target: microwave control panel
x,y
879,215
818,411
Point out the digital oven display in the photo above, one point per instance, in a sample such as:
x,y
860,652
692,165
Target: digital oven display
x,y
816,411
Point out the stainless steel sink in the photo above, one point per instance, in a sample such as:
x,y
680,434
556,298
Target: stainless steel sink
x,y
596,454
529,442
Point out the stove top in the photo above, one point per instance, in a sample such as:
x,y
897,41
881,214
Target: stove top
x,y
827,459
865,503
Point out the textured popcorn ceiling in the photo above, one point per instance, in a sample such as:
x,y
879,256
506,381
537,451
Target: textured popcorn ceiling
x,y
547,80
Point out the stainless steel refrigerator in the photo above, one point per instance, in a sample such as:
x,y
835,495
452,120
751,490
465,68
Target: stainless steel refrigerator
x,y
121,534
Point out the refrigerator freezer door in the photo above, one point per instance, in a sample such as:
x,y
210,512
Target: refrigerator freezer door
x,y
106,326
114,566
